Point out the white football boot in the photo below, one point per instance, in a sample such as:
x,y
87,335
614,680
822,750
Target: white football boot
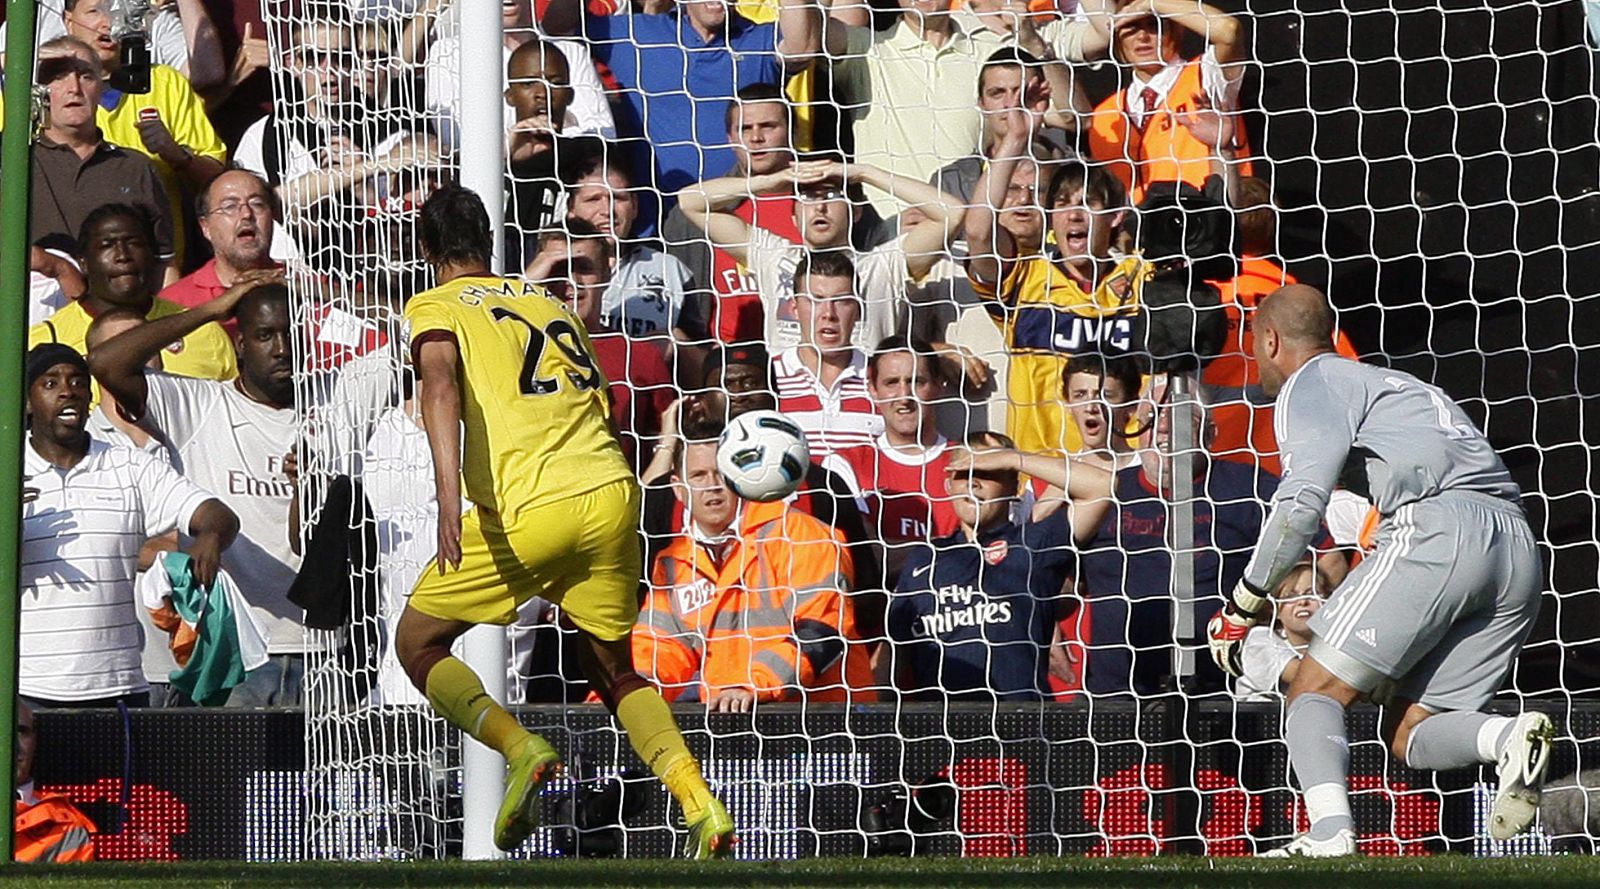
x,y
1522,766
1303,846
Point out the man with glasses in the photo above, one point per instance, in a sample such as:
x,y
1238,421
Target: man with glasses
x,y
235,214
322,150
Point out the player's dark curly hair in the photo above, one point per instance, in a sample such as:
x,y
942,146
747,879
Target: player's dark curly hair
x,y
454,228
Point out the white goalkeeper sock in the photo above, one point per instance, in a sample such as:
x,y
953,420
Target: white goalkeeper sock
x,y
1457,739
1319,751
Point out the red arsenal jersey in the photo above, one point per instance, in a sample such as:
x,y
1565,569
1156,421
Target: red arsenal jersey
x,y
903,493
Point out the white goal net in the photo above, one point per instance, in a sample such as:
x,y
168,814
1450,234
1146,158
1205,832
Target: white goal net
x,y
1431,168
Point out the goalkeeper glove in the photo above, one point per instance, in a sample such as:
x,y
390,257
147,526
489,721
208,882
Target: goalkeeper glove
x,y
1226,631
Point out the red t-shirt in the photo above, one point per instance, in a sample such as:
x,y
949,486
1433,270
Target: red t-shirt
x,y
641,388
736,313
905,495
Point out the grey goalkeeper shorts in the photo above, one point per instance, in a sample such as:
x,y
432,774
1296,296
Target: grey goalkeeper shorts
x,y
1441,607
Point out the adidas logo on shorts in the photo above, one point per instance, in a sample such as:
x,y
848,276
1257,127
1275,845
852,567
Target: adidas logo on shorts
x,y
1368,635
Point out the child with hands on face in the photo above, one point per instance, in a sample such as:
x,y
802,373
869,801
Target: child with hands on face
x,y
1271,655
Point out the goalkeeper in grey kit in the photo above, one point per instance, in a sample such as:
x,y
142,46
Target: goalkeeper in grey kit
x,y
1433,620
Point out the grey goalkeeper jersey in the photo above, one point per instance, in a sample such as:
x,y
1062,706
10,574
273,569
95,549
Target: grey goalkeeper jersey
x,y
1381,433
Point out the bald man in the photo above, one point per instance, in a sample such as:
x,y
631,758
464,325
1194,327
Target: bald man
x,y
1436,616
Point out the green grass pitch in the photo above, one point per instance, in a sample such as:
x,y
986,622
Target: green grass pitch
x,y
1446,872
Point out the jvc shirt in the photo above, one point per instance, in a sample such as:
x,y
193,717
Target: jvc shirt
x,y
973,620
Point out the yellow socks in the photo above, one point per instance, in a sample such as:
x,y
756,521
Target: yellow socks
x,y
655,737
456,692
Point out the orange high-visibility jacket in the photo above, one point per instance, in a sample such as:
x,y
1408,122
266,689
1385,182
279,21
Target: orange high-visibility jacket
x,y
1163,151
742,624
1240,412
52,831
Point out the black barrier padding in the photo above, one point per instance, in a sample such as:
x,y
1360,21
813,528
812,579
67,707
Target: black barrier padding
x,y
1036,779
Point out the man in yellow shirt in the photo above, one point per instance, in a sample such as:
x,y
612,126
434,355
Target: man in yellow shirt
x,y
117,248
555,514
168,123
1080,296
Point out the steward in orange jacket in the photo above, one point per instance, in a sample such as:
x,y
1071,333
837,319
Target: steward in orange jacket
x,y
1240,411
1138,131
51,830
761,606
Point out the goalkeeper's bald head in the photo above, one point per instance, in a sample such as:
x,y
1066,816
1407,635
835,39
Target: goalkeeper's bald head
x,y
1292,325
1298,313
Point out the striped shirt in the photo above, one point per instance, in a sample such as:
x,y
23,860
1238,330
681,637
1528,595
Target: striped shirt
x,y
80,637
833,417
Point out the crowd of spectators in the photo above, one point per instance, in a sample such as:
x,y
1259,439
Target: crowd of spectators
x,y
912,229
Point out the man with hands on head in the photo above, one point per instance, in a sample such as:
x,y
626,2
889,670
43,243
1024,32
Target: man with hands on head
x,y
80,642
974,613
829,205
233,437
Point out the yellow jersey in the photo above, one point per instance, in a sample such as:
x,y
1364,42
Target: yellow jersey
x,y
206,353
1048,319
172,99
535,406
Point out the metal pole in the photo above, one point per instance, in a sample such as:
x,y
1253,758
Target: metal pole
x,y
1182,404
482,137
15,176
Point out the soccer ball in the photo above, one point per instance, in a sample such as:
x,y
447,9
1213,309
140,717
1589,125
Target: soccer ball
x,y
762,455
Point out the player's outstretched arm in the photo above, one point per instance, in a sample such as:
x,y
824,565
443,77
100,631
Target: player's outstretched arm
x,y
441,414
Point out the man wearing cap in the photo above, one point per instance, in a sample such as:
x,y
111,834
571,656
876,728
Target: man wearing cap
x,y
79,644
75,170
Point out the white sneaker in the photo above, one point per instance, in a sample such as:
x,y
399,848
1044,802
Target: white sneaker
x,y
1522,766
1303,846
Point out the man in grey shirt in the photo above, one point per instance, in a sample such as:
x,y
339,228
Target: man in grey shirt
x,y
1433,620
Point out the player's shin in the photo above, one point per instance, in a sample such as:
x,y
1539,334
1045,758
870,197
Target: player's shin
x,y
1319,751
457,694
654,734
1457,739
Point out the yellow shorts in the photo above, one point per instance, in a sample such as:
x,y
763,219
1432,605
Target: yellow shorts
x,y
581,553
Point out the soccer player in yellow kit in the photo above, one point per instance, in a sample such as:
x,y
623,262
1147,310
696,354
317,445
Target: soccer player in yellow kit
x,y
555,513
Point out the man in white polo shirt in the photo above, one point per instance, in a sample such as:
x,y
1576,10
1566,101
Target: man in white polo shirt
x,y
233,437
88,507
822,382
